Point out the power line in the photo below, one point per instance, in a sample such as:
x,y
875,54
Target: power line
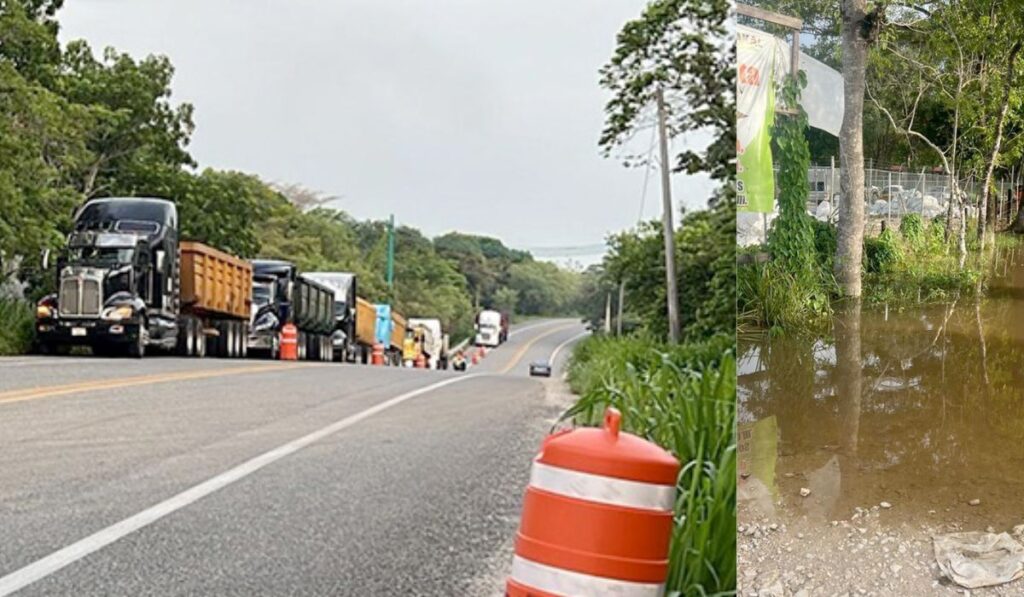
x,y
647,176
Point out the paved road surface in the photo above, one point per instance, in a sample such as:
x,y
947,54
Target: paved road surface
x,y
172,476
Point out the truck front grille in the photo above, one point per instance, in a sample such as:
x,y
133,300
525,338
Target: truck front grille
x,y
80,297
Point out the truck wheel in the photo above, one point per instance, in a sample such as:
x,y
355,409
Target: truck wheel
x,y
186,338
232,339
301,346
244,353
137,348
200,339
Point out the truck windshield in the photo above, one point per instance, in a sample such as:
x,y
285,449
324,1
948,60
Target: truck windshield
x,y
262,293
340,309
103,256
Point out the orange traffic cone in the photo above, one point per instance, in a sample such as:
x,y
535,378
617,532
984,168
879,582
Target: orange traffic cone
x,y
420,362
289,342
597,517
476,358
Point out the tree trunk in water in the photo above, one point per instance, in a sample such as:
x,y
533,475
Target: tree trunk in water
x,y
850,236
1000,122
849,372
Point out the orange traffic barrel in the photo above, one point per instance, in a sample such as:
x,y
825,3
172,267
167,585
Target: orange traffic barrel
x,y
420,362
597,516
476,358
289,343
377,357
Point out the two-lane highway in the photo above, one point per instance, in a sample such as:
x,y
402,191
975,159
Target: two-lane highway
x,y
172,476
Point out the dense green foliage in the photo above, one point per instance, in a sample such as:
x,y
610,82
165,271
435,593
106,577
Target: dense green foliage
x,y
706,262
791,240
681,397
684,399
18,321
74,126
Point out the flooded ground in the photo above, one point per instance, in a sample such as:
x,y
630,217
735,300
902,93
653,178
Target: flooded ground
x,y
900,424
922,408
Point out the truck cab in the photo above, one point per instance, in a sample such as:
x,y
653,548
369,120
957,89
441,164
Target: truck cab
x,y
117,280
489,328
282,295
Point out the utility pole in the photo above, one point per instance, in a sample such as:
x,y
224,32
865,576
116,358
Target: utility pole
x,y
391,255
622,295
668,230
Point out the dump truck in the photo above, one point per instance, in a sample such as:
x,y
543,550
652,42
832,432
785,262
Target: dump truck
x,y
126,286
378,324
433,342
282,295
344,343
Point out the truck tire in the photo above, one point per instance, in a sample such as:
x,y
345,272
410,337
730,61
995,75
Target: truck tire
x,y
187,337
244,331
232,348
200,338
137,347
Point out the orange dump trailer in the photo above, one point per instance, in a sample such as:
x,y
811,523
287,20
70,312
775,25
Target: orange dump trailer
x,y
216,300
366,332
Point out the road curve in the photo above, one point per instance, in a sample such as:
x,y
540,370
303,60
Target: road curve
x,y
171,476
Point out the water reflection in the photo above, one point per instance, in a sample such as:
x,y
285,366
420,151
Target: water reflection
x,y
923,408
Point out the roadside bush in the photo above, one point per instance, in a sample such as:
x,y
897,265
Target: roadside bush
x,y
684,399
881,253
771,298
17,321
911,227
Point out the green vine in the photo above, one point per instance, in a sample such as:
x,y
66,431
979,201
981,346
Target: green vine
x,y
791,241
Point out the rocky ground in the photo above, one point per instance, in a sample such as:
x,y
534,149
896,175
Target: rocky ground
x,y
871,554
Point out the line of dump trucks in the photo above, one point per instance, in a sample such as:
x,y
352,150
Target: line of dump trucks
x,y
127,285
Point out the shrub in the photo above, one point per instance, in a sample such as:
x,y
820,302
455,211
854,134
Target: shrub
x,y
824,244
17,326
911,227
772,298
684,399
881,253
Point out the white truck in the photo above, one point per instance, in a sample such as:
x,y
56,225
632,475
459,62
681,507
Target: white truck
x,y
489,328
434,341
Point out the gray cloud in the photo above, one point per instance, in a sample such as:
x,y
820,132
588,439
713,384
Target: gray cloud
x,y
471,115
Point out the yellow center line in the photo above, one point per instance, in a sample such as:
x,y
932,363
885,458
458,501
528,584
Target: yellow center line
x,y
522,351
23,394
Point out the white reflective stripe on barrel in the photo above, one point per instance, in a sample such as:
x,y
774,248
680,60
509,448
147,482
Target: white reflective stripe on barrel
x,y
564,582
606,490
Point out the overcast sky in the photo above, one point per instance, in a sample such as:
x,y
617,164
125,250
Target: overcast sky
x,y
479,116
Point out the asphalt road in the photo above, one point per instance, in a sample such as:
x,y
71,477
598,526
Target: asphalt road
x,y
171,476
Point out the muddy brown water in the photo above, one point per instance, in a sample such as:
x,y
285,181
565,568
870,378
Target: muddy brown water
x,y
922,408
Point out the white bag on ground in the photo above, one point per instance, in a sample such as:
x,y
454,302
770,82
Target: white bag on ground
x,y
977,559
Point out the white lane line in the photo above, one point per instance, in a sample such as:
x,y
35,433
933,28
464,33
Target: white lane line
x,y
558,349
46,566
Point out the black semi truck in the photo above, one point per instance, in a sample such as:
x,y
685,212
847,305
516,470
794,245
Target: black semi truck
x,y
125,284
281,295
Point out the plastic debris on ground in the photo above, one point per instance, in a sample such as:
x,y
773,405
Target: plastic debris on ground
x,y
976,559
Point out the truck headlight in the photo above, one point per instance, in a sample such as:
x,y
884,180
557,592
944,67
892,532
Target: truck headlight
x,y
264,322
43,312
117,313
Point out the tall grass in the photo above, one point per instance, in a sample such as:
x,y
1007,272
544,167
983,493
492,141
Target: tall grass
x,y
684,399
17,321
771,298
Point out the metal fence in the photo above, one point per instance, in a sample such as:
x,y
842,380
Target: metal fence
x,y
895,193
